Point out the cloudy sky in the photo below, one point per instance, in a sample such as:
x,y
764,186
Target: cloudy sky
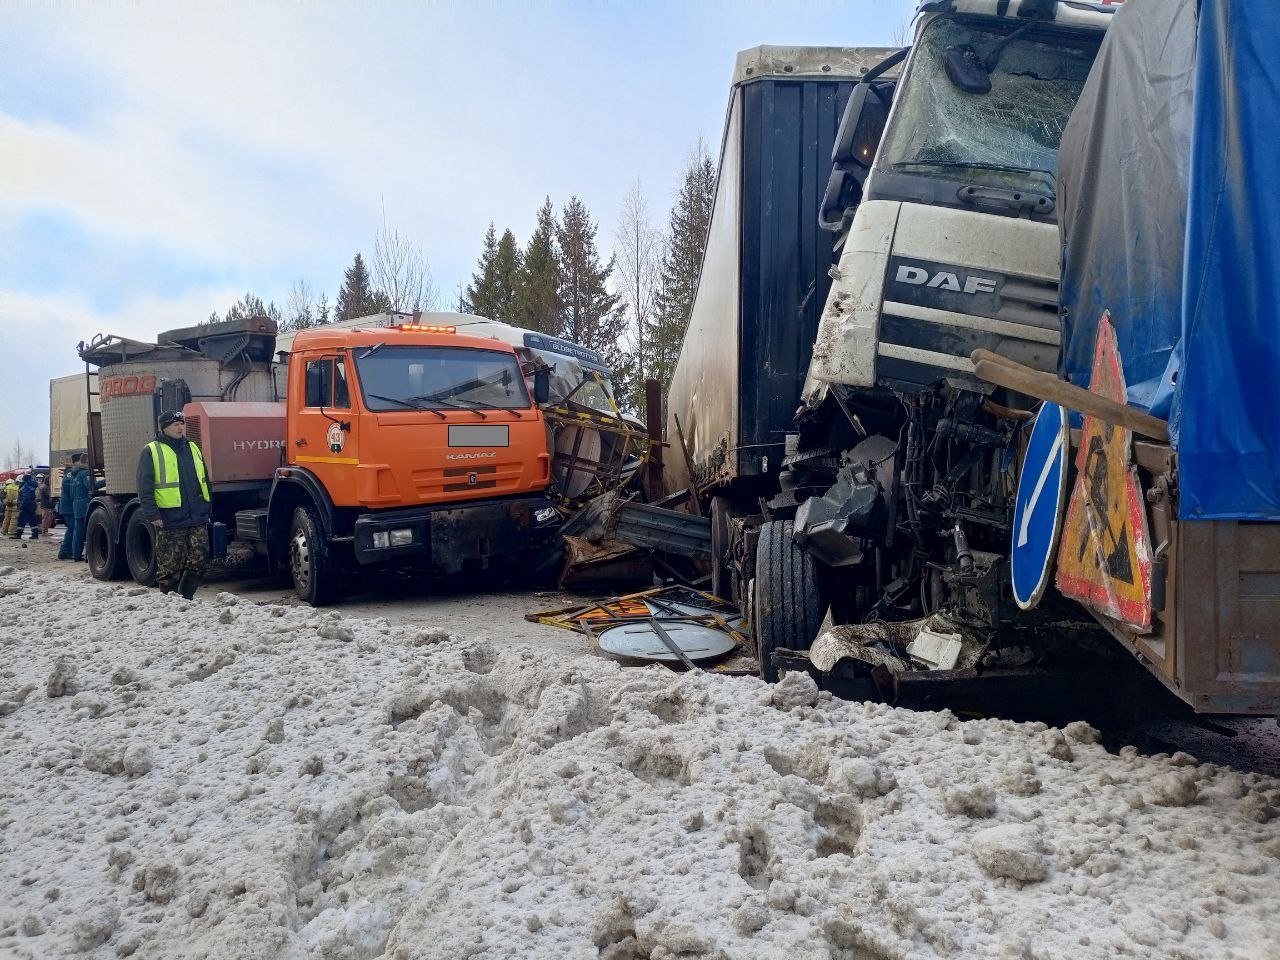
x,y
157,160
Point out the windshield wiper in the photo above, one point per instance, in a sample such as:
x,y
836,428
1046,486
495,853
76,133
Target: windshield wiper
x,y
371,351
406,403
455,404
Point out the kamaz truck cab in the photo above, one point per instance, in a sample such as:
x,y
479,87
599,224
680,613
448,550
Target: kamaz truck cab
x,y
410,444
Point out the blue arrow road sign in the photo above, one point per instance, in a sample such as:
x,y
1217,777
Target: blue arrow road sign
x,y
1037,512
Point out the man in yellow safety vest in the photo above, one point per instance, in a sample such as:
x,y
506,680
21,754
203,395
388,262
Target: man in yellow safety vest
x,y
173,491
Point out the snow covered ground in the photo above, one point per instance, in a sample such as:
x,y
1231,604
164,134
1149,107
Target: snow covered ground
x,y
222,779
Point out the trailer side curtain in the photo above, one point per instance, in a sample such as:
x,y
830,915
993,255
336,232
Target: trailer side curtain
x,y
1227,404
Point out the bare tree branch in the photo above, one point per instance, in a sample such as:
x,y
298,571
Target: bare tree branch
x,y
638,271
301,307
402,272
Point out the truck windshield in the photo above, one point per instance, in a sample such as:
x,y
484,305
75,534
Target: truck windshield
x,y
430,378
1005,138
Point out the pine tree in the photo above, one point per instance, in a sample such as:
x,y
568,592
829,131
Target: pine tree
x,y
492,292
356,297
247,306
591,314
479,293
681,264
322,310
538,305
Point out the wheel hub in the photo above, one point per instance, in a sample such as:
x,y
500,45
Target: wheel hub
x,y
300,560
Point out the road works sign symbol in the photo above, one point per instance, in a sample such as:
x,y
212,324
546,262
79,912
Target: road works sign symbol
x,y
1105,557
1037,512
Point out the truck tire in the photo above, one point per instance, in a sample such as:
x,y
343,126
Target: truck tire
x,y
102,549
787,604
311,561
139,548
721,558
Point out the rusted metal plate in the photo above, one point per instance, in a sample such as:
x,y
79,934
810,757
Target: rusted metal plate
x,y
1228,616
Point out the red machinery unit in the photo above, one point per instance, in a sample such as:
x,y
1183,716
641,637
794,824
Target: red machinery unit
x,y
241,441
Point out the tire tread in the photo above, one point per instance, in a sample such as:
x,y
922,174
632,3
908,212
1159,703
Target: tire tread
x,y
788,601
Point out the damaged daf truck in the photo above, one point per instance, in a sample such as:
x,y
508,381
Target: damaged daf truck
x,y
886,498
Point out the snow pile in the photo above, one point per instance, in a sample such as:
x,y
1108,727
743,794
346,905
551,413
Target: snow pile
x,y
223,780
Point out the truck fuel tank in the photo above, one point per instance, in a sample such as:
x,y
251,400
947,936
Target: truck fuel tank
x,y
241,441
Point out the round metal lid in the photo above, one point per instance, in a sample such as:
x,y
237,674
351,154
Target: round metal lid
x,y
639,641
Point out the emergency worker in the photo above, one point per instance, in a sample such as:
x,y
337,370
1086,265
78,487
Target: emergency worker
x,y
80,488
45,502
173,490
11,494
64,507
27,507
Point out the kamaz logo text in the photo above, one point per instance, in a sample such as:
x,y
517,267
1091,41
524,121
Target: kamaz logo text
x,y
944,280
257,445
470,456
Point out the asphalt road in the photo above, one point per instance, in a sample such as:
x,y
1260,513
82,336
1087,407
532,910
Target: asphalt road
x,y
458,606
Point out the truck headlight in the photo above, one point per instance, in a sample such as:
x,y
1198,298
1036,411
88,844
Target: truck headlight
x,y
402,538
380,540
545,514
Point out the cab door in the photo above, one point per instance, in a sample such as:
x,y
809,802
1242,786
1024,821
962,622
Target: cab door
x,y
325,432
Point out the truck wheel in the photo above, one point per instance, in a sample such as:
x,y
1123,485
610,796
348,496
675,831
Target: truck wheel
x,y
102,550
721,557
139,548
311,562
787,606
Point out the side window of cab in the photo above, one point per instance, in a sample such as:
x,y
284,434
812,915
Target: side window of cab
x,y
326,383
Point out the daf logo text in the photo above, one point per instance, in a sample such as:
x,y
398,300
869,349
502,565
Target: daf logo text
x,y
945,280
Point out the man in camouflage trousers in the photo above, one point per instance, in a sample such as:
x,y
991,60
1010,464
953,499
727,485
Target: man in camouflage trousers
x,y
173,490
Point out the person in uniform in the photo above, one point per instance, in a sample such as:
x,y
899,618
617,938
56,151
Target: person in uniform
x,y
27,502
45,499
11,493
173,491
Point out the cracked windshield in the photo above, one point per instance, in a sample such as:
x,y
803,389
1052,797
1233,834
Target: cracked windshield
x,y
431,378
1005,138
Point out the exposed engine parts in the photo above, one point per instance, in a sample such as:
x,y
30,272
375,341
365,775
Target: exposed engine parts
x,y
915,518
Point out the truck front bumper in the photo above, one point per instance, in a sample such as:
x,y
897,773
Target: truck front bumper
x,y
447,538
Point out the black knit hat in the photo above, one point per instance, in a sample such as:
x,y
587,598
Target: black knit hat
x,y
170,416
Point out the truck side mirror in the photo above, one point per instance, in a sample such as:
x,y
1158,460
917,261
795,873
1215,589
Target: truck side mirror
x,y
862,126
542,386
966,70
857,140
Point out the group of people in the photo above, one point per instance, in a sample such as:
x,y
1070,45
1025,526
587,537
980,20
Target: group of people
x,y
173,495
22,495
28,503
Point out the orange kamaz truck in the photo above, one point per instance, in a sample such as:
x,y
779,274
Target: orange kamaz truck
x,y
410,445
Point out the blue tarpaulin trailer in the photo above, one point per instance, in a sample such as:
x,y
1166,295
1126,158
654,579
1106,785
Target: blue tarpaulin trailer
x,y
1169,191
1169,212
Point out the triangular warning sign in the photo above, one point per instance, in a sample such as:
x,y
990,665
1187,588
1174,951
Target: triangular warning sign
x,y
1105,556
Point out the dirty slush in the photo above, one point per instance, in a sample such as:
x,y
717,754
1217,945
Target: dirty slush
x,y
225,780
